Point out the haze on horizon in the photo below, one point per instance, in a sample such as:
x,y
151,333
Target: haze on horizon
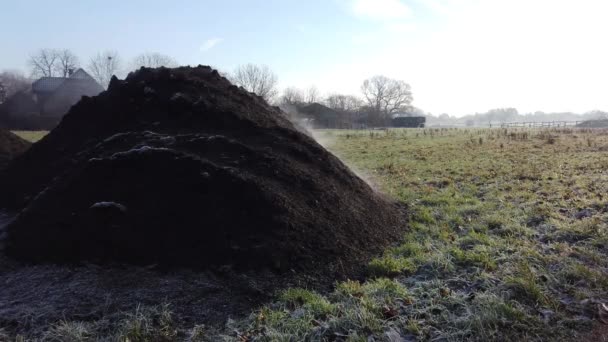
x,y
459,56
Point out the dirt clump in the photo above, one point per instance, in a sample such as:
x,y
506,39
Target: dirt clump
x,y
180,167
11,146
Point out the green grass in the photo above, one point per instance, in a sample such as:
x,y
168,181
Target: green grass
x,y
508,233
31,136
508,241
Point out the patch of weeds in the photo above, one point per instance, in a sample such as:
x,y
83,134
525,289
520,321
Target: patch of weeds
x,y
581,230
197,333
423,215
281,325
494,319
478,257
408,249
434,201
591,255
385,290
578,274
514,230
66,331
438,262
312,302
526,288
147,324
413,326
473,239
494,222
349,288
362,318
389,266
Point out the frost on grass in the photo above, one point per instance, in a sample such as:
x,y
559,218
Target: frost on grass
x,y
507,240
506,246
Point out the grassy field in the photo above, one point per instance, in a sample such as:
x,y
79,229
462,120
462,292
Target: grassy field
x,y
508,240
31,136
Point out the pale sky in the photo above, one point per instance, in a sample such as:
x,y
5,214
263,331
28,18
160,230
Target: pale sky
x,y
459,56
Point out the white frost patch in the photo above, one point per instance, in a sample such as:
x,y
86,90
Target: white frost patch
x,y
177,96
151,134
139,150
116,136
109,205
160,137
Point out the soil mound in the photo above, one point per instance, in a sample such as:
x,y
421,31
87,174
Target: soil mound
x,y
180,167
593,124
11,146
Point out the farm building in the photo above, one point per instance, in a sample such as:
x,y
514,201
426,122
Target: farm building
x,y
49,98
409,121
320,116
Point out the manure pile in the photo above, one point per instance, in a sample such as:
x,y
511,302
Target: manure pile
x,y
594,124
11,146
181,168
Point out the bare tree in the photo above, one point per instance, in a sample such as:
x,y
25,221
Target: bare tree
x,y
153,60
386,96
44,62
66,62
344,103
291,96
348,108
13,82
312,95
258,79
103,66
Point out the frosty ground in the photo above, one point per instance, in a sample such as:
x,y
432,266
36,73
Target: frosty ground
x,y
508,241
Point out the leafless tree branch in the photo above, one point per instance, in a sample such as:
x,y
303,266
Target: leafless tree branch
x,y
103,66
386,96
43,63
13,82
153,60
344,103
312,95
256,79
291,96
66,62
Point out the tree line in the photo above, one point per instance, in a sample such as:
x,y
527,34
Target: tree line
x,y
61,62
381,97
379,100
102,66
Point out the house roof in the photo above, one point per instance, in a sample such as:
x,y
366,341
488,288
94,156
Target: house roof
x,y
80,86
318,111
80,74
50,84
47,84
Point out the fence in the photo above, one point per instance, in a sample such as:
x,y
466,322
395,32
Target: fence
x,y
541,124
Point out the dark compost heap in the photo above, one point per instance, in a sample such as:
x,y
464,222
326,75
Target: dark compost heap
x,y
180,167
